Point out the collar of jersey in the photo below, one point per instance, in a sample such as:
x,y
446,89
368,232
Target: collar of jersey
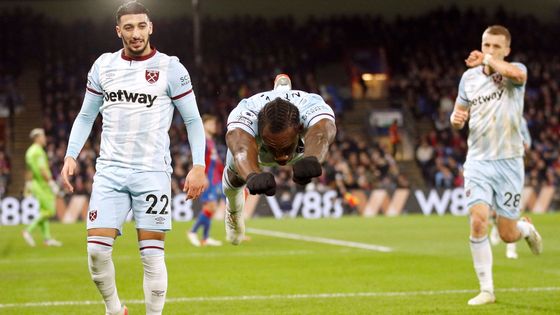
x,y
128,58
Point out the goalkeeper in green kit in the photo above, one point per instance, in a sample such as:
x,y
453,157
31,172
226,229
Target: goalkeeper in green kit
x,y
43,188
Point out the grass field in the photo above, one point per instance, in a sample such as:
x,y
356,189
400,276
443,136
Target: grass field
x,y
428,271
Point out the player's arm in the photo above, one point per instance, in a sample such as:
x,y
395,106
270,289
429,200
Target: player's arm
x,y
318,139
460,112
180,91
318,117
78,135
459,116
243,148
515,73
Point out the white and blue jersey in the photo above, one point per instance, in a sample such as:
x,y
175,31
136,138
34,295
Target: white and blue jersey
x,y
312,108
136,98
493,171
495,104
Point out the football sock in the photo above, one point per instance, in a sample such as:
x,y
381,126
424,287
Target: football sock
x,y
102,270
155,275
524,228
482,259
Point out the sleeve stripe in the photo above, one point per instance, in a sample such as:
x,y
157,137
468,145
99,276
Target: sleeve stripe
x,y
463,99
326,114
181,95
238,122
93,91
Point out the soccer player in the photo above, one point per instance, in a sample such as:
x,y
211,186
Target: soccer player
x,y
213,194
136,90
42,187
277,127
491,93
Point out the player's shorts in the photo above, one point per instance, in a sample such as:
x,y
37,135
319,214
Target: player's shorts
x,y
212,193
116,191
46,200
497,183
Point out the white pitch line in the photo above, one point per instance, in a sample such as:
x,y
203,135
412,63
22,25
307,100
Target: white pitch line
x,y
323,240
279,297
201,254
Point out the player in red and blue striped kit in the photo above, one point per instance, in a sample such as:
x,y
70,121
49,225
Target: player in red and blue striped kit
x,y
211,197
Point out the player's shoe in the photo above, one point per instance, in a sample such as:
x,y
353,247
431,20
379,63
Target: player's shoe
x,y
123,311
282,82
534,240
193,239
511,251
495,235
212,242
484,297
52,242
28,238
235,227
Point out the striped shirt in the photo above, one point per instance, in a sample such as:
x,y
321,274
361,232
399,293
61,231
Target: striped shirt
x,y
496,108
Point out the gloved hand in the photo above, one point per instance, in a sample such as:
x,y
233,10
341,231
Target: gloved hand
x,y
305,169
54,188
261,183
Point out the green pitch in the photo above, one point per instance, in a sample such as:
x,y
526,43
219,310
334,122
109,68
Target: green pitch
x,y
428,271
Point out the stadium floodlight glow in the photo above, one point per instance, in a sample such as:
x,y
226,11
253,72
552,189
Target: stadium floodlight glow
x,y
374,76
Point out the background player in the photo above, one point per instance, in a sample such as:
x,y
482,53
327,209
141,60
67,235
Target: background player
x,y
277,127
213,194
43,188
136,90
491,93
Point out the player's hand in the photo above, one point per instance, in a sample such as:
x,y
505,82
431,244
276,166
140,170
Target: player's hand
x,y
261,183
195,182
459,117
305,169
69,169
475,59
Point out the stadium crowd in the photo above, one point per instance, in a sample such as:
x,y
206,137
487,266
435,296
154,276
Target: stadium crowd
x,y
241,60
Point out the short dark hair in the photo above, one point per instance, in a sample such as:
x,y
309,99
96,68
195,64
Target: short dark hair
x,y
278,115
131,7
499,30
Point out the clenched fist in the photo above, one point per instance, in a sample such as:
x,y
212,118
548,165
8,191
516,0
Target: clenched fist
x,y
261,183
305,169
459,117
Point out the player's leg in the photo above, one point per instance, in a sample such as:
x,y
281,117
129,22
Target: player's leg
x,y
151,245
47,204
107,212
233,187
481,254
508,199
479,195
151,199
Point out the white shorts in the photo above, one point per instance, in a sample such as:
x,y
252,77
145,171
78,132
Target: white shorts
x,y
497,183
118,190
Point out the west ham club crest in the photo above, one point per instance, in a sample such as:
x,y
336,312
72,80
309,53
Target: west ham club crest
x,y
152,76
92,215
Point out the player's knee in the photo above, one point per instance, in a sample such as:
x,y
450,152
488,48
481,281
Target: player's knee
x,y
479,224
509,236
152,254
100,250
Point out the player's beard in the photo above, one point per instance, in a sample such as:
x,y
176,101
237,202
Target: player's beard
x,y
137,52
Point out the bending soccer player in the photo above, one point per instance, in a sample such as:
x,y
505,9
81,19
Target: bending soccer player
x,y
136,90
491,93
213,194
277,127
43,188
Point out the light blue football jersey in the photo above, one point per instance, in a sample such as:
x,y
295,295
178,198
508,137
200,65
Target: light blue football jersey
x,y
312,108
495,104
